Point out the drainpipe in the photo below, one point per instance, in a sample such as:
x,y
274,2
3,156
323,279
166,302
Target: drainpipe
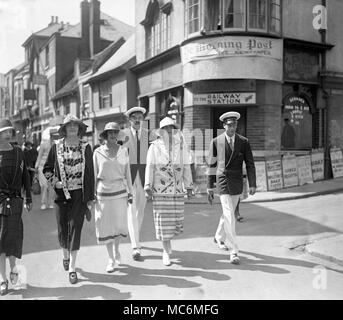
x,y
326,96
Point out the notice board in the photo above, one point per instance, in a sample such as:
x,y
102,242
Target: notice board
x,y
261,177
290,171
274,173
304,170
317,164
336,162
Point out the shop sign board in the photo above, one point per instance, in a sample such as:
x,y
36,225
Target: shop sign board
x,y
261,177
336,162
317,164
274,173
227,98
231,46
304,169
290,171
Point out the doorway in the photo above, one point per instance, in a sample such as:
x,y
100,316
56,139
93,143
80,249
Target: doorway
x,y
218,125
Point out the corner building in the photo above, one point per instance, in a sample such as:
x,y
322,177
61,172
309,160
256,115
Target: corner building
x,y
262,58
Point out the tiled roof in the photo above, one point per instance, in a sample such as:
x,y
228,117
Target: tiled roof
x,y
112,29
70,87
123,55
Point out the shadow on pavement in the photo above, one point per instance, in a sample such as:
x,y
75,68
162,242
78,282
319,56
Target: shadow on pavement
x,y
40,229
86,291
153,277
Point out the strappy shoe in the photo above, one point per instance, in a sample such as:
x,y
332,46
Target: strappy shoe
x,y
66,264
73,277
110,267
14,277
4,288
234,258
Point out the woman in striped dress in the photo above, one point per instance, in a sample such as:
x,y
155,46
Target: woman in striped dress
x,y
113,192
167,177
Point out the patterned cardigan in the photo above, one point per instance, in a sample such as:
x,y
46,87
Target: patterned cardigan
x,y
54,169
166,175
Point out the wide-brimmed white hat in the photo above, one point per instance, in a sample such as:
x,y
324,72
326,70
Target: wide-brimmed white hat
x,y
229,117
6,124
167,121
135,109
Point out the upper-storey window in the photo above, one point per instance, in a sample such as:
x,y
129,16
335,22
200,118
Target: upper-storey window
x,y
233,15
157,29
193,16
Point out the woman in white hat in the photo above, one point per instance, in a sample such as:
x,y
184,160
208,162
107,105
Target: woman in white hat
x,y
69,168
168,179
13,178
113,192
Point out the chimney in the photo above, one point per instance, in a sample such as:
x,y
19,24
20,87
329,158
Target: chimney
x,y
56,19
52,21
85,14
94,28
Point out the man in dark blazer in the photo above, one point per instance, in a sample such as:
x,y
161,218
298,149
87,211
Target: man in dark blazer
x,y
137,142
226,155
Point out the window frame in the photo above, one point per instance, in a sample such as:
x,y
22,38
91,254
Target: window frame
x,y
246,12
223,15
200,18
105,96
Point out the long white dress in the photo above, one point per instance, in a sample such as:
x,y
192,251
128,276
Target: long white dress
x,y
113,183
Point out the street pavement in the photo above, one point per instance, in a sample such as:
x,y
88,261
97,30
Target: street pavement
x,y
277,260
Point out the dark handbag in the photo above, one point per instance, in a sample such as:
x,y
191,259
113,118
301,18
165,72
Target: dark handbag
x,y
10,206
36,189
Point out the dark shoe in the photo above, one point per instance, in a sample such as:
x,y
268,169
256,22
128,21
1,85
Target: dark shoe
x,y
239,218
136,254
4,288
221,245
66,264
234,258
73,277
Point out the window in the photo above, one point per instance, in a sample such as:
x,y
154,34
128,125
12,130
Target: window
x,y
233,15
105,94
257,15
47,57
18,96
86,96
157,32
193,16
275,16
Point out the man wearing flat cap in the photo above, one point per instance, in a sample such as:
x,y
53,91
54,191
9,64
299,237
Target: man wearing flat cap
x,y
226,155
137,143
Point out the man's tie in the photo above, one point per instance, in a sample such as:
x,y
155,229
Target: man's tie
x,y
231,143
138,148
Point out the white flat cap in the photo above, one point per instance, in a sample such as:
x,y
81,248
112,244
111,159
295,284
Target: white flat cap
x,y
135,109
167,121
231,115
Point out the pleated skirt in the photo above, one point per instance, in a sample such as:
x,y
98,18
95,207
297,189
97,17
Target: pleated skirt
x,y
168,216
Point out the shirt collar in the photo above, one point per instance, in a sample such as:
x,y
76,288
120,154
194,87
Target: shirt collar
x,y
134,131
232,138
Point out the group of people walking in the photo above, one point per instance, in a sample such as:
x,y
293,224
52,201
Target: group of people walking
x,y
115,182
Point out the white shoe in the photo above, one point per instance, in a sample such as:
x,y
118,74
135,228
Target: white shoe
x,y
43,207
117,259
166,259
51,207
110,266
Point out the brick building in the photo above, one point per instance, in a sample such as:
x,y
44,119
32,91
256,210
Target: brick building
x,y
263,58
